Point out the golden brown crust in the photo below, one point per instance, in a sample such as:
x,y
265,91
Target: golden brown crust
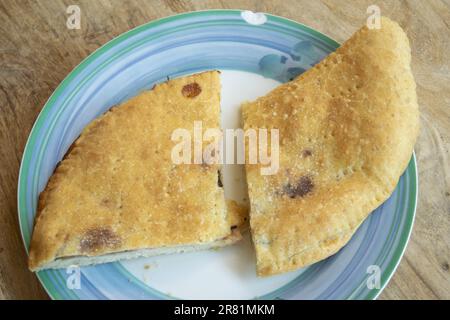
x,y
117,189
347,131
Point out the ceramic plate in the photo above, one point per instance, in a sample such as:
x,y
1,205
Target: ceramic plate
x,y
255,52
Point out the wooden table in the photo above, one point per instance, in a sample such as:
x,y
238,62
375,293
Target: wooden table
x,y
37,51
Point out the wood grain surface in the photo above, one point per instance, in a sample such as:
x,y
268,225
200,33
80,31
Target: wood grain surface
x,y
37,51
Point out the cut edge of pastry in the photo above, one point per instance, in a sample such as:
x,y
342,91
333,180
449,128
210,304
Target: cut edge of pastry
x,y
80,261
237,215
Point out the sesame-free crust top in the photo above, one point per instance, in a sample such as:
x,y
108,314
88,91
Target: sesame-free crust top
x,y
117,190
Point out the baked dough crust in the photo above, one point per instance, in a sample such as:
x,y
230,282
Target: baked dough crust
x,y
117,188
347,130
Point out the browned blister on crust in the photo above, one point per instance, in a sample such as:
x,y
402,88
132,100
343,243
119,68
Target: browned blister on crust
x,y
347,130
